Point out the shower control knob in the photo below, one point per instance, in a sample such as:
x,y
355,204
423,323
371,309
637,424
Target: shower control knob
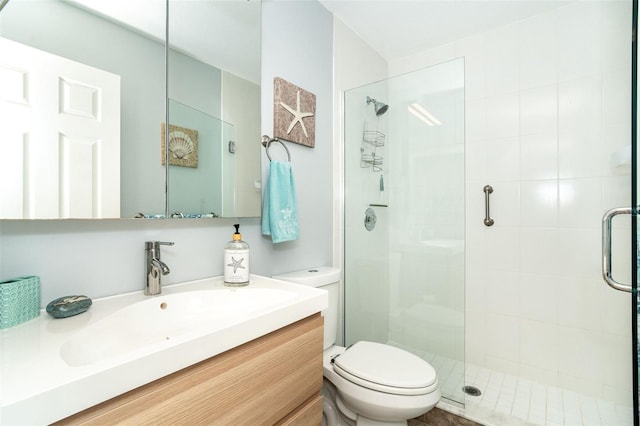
x,y
370,219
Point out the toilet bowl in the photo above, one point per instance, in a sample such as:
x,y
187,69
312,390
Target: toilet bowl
x,y
331,415
390,387
369,383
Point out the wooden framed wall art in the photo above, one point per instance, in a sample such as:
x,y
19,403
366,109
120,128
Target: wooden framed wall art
x,y
294,113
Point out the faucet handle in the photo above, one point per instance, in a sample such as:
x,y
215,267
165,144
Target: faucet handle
x,y
149,245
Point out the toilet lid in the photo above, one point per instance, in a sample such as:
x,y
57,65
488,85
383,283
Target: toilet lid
x,y
385,368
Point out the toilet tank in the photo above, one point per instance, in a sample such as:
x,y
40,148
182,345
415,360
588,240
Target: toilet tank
x,y
326,278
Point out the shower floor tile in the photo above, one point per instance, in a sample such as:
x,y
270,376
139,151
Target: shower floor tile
x,y
508,400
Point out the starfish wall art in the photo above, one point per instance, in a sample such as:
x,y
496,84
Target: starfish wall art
x,y
294,113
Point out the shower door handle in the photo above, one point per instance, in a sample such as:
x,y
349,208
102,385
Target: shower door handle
x,y
606,248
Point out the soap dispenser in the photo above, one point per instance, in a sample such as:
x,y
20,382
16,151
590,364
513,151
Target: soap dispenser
x,y
236,261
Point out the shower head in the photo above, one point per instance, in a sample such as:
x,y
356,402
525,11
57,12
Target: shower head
x,y
379,107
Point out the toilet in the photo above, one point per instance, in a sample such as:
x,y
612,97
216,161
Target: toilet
x,y
367,383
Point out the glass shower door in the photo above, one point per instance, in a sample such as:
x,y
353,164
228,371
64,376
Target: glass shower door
x,y
404,170
634,220
617,278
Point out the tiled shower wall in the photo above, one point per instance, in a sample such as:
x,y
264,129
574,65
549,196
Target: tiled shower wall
x,y
547,103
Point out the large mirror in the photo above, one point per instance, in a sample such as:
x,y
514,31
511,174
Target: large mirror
x,y
82,108
214,77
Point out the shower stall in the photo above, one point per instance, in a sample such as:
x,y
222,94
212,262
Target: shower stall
x,y
473,209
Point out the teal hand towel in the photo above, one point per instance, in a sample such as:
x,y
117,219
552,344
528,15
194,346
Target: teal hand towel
x,y
279,208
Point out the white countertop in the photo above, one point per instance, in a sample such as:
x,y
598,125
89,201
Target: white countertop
x,y
37,386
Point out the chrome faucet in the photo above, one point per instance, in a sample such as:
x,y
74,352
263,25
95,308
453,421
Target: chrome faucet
x,y
155,267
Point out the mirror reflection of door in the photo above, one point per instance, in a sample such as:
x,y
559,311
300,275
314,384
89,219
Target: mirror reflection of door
x,y
68,165
210,40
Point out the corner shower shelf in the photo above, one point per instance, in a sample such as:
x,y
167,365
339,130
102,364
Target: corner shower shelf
x,y
374,138
371,160
371,141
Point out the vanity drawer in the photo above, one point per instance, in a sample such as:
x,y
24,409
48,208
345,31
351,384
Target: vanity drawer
x,y
310,414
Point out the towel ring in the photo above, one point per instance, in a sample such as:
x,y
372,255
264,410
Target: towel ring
x,y
266,142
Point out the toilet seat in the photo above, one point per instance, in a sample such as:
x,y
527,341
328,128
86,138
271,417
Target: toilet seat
x,y
385,369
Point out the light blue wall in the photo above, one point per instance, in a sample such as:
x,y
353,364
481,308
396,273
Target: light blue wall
x,y
195,83
297,45
99,258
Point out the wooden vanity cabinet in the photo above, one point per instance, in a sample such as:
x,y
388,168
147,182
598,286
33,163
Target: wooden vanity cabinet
x,y
275,379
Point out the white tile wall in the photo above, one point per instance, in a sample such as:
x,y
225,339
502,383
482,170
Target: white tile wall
x,y
547,103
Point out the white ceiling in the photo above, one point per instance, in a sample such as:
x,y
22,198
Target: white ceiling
x,y
398,28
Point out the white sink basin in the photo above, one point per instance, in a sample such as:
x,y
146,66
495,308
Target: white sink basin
x,y
52,368
166,317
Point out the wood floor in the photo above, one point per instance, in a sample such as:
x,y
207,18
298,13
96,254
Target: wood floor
x,y
438,417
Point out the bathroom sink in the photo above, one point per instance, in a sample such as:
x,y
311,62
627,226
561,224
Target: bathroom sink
x,y
52,368
162,318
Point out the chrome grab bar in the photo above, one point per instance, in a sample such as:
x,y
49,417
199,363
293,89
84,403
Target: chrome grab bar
x,y
488,189
606,248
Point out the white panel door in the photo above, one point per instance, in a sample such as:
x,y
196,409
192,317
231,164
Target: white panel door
x,y
60,122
